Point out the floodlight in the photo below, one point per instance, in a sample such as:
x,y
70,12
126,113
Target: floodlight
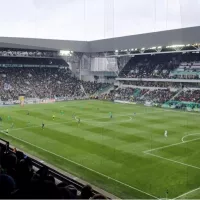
x,y
64,52
175,46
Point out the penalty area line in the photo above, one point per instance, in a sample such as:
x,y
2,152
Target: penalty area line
x,y
80,165
192,166
175,144
188,136
186,193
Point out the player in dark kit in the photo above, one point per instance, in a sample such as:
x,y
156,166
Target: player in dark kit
x,y
42,126
28,113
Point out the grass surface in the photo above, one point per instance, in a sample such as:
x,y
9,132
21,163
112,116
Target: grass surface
x,y
120,155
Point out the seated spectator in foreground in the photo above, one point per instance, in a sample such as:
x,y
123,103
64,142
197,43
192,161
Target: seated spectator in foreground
x,y
7,186
18,180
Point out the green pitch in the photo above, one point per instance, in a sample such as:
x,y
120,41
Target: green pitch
x,y
127,155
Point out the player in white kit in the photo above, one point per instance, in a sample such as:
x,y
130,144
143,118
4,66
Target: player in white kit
x,y
165,134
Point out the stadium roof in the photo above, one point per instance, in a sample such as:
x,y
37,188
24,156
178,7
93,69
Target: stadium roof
x,y
164,38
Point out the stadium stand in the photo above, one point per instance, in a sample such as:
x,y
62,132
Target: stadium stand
x,y
189,95
148,84
147,66
155,95
44,74
174,65
159,96
27,53
164,84
159,78
41,78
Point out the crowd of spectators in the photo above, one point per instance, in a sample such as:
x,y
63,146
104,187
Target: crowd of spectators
x,y
43,82
11,54
184,76
37,82
156,95
29,61
92,87
153,84
137,94
159,95
20,180
158,66
161,66
161,84
124,94
27,53
189,96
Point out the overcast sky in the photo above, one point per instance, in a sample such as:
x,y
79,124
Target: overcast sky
x,y
94,19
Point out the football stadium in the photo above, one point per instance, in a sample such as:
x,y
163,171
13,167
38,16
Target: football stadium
x,y
101,103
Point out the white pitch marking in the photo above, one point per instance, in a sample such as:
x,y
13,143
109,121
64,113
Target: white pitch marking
x,y
151,154
175,144
92,170
189,135
187,193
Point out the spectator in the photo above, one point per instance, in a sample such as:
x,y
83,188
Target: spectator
x,y
98,196
7,186
86,192
30,184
